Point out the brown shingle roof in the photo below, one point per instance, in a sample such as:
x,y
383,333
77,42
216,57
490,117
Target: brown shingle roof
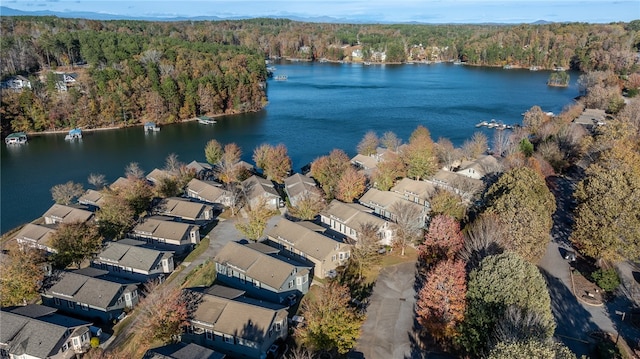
x,y
67,214
178,207
164,229
351,214
37,233
208,190
421,189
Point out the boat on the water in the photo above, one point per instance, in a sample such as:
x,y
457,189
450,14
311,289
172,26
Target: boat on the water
x,y
16,138
74,134
281,78
481,124
205,120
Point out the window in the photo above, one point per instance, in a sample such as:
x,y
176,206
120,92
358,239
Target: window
x,y
277,326
228,339
56,301
65,346
70,304
76,342
84,306
333,258
256,283
242,278
290,283
298,280
208,334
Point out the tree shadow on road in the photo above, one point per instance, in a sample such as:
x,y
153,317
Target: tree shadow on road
x,y
572,320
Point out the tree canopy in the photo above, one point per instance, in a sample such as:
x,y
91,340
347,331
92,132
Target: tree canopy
x,y
523,202
492,288
607,221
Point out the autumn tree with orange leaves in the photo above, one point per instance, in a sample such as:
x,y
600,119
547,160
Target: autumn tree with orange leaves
x,y
441,301
274,161
351,185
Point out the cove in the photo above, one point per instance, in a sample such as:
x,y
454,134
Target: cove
x,y
321,106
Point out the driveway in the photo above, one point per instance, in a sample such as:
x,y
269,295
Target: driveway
x,y
574,318
388,330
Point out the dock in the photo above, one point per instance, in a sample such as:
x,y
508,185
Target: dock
x,y
495,125
74,134
151,127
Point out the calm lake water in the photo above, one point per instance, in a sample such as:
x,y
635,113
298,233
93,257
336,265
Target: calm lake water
x,y
319,107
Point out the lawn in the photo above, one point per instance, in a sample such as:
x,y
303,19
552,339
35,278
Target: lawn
x,y
204,275
204,244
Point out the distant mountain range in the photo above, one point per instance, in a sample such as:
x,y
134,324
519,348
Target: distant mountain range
x,y
6,11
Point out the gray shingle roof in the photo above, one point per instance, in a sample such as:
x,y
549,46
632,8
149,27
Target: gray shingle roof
x,y
68,214
351,214
40,234
305,240
178,207
159,228
269,270
238,319
208,190
183,351
32,336
92,291
131,256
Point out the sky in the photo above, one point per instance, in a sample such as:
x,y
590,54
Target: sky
x,y
426,11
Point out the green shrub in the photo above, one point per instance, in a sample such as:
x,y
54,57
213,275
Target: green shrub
x,y
607,279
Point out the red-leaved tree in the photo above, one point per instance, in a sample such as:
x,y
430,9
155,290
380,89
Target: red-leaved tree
x,y
443,239
441,301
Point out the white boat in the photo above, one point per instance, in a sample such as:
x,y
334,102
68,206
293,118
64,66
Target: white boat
x,y
17,138
74,134
206,120
281,78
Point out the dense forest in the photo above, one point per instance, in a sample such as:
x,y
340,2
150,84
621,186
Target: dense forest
x,y
128,72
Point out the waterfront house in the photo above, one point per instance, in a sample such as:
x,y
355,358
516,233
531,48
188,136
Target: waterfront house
x,y
298,242
167,234
298,186
158,175
92,198
591,118
257,269
91,298
36,236
37,331
415,191
202,170
383,203
185,210
208,191
348,219
479,168
258,189
182,351
229,323
119,183
16,83
60,213
131,259
460,184
368,163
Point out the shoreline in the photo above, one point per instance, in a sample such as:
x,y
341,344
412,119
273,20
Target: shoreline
x,y
138,124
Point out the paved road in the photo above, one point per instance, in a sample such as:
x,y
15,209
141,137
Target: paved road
x,y
388,329
574,318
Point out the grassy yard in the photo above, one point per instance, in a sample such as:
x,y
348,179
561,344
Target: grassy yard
x,y
204,244
204,275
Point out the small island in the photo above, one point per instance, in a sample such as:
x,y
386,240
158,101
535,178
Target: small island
x,y
558,79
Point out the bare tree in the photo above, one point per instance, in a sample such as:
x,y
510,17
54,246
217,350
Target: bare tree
x,y
409,224
390,141
446,153
172,164
364,252
97,180
133,170
485,236
66,193
501,142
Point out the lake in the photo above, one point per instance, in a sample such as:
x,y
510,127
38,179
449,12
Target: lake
x,y
320,107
